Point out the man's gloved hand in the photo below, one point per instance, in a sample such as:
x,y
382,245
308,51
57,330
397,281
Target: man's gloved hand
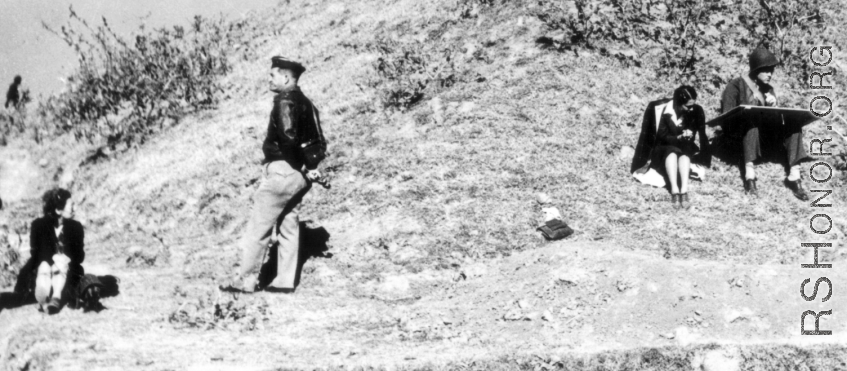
x,y
316,177
313,175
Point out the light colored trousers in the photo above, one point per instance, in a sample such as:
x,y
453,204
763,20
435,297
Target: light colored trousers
x,y
278,197
51,279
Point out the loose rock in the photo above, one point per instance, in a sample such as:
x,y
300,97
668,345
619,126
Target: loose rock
x,y
718,361
395,284
626,153
475,270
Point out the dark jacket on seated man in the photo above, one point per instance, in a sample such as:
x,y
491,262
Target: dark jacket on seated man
x,y
44,244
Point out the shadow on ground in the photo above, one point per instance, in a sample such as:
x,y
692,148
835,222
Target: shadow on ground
x,y
729,149
313,244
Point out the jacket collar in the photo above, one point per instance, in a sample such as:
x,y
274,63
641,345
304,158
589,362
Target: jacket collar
x,y
666,108
288,93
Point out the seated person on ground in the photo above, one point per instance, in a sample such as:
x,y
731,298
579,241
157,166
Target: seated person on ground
x,y
667,141
54,269
758,136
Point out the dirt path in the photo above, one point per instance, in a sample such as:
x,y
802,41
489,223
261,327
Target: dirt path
x,y
563,301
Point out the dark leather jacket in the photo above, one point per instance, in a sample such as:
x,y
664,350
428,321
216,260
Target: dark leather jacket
x,y
292,123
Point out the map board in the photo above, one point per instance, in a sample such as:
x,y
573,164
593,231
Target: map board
x,y
776,115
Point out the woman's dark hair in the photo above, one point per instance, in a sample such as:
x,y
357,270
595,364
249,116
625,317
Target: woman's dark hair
x,y
55,199
17,79
683,94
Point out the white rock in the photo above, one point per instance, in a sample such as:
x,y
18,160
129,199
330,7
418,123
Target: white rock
x,y
733,315
551,213
475,270
626,153
717,360
570,275
395,284
684,336
466,107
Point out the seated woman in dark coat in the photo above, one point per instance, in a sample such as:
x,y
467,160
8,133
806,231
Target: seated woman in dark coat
x,y
667,141
56,243
678,126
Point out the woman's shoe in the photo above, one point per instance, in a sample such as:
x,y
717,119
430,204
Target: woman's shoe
x,y
54,306
675,199
683,200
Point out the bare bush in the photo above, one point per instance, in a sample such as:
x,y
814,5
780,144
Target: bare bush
x,y
125,90
701,41
213,311
10,261
409,71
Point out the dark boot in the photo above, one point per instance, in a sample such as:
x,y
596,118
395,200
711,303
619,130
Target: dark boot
x,y
676,199
750,187
797,188
54,306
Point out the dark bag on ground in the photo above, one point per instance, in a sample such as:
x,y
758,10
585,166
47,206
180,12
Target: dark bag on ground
x,y
555,229
89,292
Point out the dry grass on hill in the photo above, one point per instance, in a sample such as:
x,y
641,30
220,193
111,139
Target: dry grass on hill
x,y
430,190
456,174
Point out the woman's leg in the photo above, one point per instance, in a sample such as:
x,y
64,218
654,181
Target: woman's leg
x,y
684,172
60,275
43,284
670,169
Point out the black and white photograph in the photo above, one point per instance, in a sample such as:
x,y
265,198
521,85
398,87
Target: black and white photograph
x,y
574,185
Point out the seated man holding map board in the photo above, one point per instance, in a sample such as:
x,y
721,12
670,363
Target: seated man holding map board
x,y
748,110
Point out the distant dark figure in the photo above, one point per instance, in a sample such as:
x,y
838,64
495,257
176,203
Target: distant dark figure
x,y
13,95
667,141
757,136
54,269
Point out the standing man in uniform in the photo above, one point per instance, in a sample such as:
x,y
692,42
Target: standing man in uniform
x,y
758,135
294,125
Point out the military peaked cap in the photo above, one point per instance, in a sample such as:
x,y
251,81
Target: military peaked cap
x,y
287,64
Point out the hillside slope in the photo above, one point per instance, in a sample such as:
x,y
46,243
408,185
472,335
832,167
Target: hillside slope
x,y
433,257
